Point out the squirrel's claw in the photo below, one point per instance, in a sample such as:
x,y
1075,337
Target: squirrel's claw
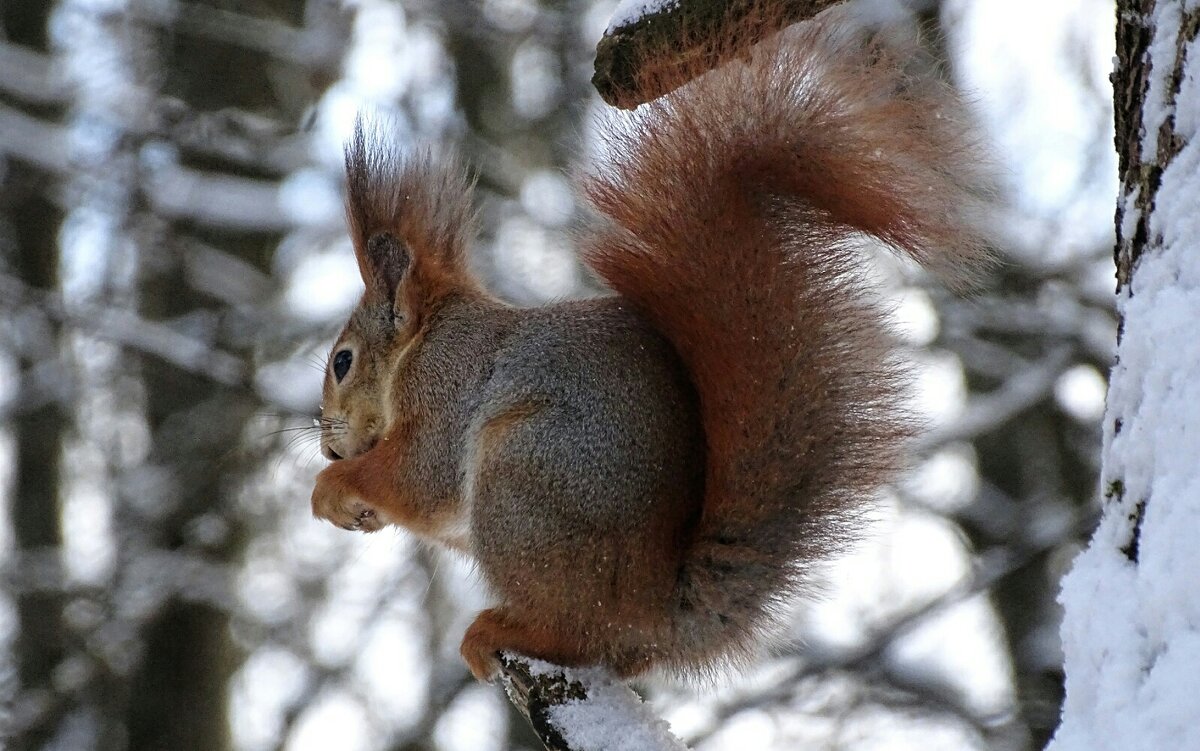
x,y
366,516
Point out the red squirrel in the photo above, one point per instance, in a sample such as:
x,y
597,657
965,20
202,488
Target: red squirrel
x,y
643,479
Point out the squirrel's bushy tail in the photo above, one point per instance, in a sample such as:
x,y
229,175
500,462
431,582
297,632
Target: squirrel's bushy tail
x,y
736,208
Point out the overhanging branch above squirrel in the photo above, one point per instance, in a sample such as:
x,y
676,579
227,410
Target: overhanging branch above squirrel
x,y
677,41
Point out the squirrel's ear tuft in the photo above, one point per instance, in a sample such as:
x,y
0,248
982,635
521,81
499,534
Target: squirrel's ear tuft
x,y
411,218
386,263
423,200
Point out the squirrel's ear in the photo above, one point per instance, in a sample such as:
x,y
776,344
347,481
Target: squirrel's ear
x,y
385,263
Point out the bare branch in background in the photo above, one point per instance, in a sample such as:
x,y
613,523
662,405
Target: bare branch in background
x,y
127,328
1019,392
868,655
176,192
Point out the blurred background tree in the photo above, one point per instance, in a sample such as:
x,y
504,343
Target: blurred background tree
x,y
173,269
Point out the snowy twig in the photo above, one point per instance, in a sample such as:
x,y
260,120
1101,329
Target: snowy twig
x,y
127,328
295,45
582,709
30,139
664,33
30,75
209,198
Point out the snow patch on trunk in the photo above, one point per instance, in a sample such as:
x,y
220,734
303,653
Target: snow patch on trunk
x,y
1131,634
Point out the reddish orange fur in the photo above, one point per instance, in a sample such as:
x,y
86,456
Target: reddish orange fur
x,y
642,479
734,204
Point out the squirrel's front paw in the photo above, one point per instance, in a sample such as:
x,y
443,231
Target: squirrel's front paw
x,y
333,502
481,645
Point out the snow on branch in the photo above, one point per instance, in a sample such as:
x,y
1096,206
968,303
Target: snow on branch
x,y
207,197
125,327
585,709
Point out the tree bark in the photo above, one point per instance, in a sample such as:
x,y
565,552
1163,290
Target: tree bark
x,y
39,426
1149,141
634,61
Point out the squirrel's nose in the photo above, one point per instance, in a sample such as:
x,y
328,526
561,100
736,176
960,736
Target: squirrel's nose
x,y
330,453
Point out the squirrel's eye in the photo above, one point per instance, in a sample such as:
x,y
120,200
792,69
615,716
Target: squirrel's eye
x,y
341,364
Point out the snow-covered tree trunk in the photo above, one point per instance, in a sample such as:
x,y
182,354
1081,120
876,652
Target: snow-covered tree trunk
x,y
1131,633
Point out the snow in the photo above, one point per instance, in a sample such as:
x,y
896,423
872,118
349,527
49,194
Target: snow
x,y
1167,17
533,259
335,720
323,285
259,730
629,11
1131,633
1080,391
612,718
474,722
536,80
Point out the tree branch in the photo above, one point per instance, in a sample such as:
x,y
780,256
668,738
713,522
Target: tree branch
x,y
582,709
680,34
128,329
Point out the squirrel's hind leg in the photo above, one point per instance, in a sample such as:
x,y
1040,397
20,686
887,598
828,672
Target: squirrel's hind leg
x,y
499,629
